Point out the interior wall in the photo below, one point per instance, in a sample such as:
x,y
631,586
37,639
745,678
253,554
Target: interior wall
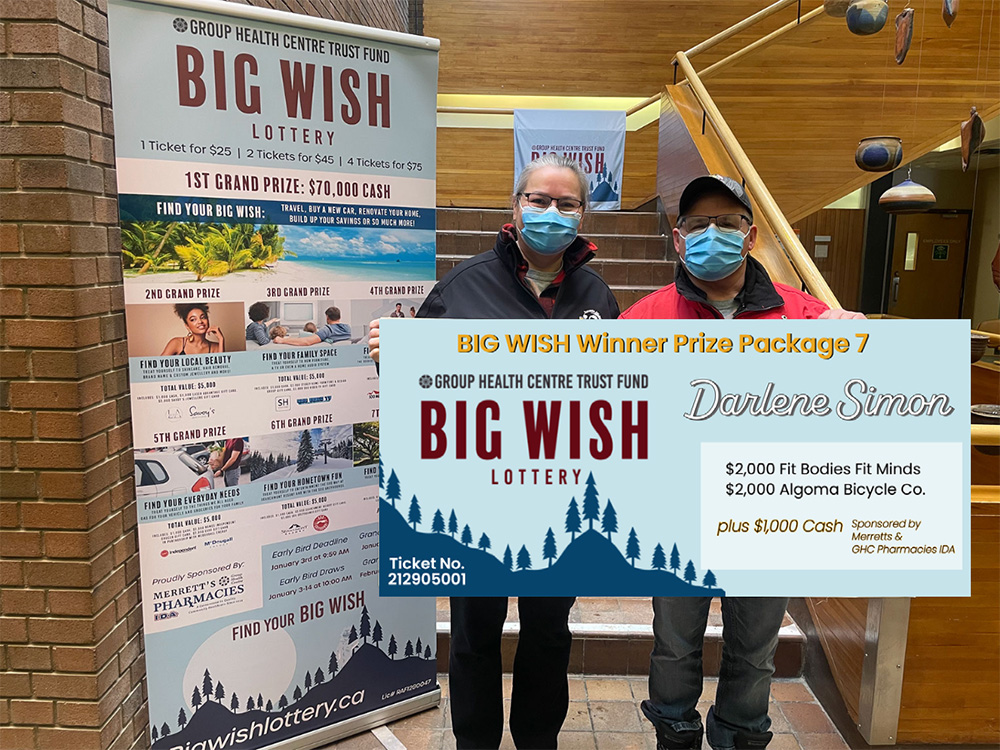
x,y
982,299
979,192
589,47
841,267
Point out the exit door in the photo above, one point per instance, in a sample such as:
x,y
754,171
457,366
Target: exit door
x,y
928,264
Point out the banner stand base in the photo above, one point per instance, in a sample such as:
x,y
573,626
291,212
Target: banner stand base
x,y
359,724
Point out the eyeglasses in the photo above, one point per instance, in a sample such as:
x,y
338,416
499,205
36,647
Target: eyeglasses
x,y
729,223
543,201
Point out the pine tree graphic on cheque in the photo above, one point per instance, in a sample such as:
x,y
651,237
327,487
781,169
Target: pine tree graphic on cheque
x,y
590,549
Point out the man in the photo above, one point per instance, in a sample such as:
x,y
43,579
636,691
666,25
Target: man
x,y
398,312
331,333
231,456
537,271
717,278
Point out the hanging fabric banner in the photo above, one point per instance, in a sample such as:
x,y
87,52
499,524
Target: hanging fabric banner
x,y
594,138
276,179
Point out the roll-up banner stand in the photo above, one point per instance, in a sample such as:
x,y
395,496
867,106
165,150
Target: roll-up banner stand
x,y
276,178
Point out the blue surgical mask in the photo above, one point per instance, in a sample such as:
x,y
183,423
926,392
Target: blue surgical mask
x,y
713,255
548,232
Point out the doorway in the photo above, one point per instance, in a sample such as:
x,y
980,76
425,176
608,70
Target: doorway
x,y
927,276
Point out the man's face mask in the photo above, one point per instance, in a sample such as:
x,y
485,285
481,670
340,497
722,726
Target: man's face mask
x,y
712,254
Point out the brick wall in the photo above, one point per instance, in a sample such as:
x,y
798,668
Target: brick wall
x,y
71,657
69,595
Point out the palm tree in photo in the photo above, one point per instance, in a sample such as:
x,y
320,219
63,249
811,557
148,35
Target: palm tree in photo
x,y
231,245
197,257
147,242
267,247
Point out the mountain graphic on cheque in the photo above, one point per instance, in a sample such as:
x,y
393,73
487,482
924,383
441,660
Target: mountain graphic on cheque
x,y
590,564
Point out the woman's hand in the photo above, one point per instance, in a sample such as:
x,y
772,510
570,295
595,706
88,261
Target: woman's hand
x,y
217,332
373,340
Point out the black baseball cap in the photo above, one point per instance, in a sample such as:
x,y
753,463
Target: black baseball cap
x,y
713,183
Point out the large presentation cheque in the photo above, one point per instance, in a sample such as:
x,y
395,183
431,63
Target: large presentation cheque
x,y
674,458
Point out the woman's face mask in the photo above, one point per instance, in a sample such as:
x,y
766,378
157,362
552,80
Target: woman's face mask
x,y
713,255
548,231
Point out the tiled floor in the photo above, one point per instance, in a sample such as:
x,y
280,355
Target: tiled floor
x,y
604,715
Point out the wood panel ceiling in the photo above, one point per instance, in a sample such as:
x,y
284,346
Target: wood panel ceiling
x,y
587,47
799,106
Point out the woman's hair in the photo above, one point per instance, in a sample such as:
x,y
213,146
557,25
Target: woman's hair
x,y
183,310
554,160
277,331
258,311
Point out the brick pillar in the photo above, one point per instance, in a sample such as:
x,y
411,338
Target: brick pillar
x,y
70,623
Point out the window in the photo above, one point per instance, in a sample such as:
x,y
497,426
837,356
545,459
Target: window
x,y
150,472
910,264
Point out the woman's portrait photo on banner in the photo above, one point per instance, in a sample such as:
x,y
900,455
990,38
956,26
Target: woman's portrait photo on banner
x,y
185,328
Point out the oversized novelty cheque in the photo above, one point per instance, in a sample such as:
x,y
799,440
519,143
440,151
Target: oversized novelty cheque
x,y
675,458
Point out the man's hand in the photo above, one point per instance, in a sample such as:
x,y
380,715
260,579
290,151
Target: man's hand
x,y
839,314
995,266
373,339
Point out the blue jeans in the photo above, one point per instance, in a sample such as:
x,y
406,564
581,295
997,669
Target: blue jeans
x,y
750,638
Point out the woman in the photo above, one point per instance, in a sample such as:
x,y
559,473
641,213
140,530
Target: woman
x,y
536,270
196,341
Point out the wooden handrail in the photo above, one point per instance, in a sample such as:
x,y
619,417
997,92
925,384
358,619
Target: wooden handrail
x,y
994,337
985,434
735,29
654,99
814,281
474,111
762,42
985,493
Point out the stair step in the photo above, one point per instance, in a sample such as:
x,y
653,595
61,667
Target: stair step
x,y
609,246
619,648
609,222
619,273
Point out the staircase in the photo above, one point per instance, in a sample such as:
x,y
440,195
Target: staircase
x,y
635,254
